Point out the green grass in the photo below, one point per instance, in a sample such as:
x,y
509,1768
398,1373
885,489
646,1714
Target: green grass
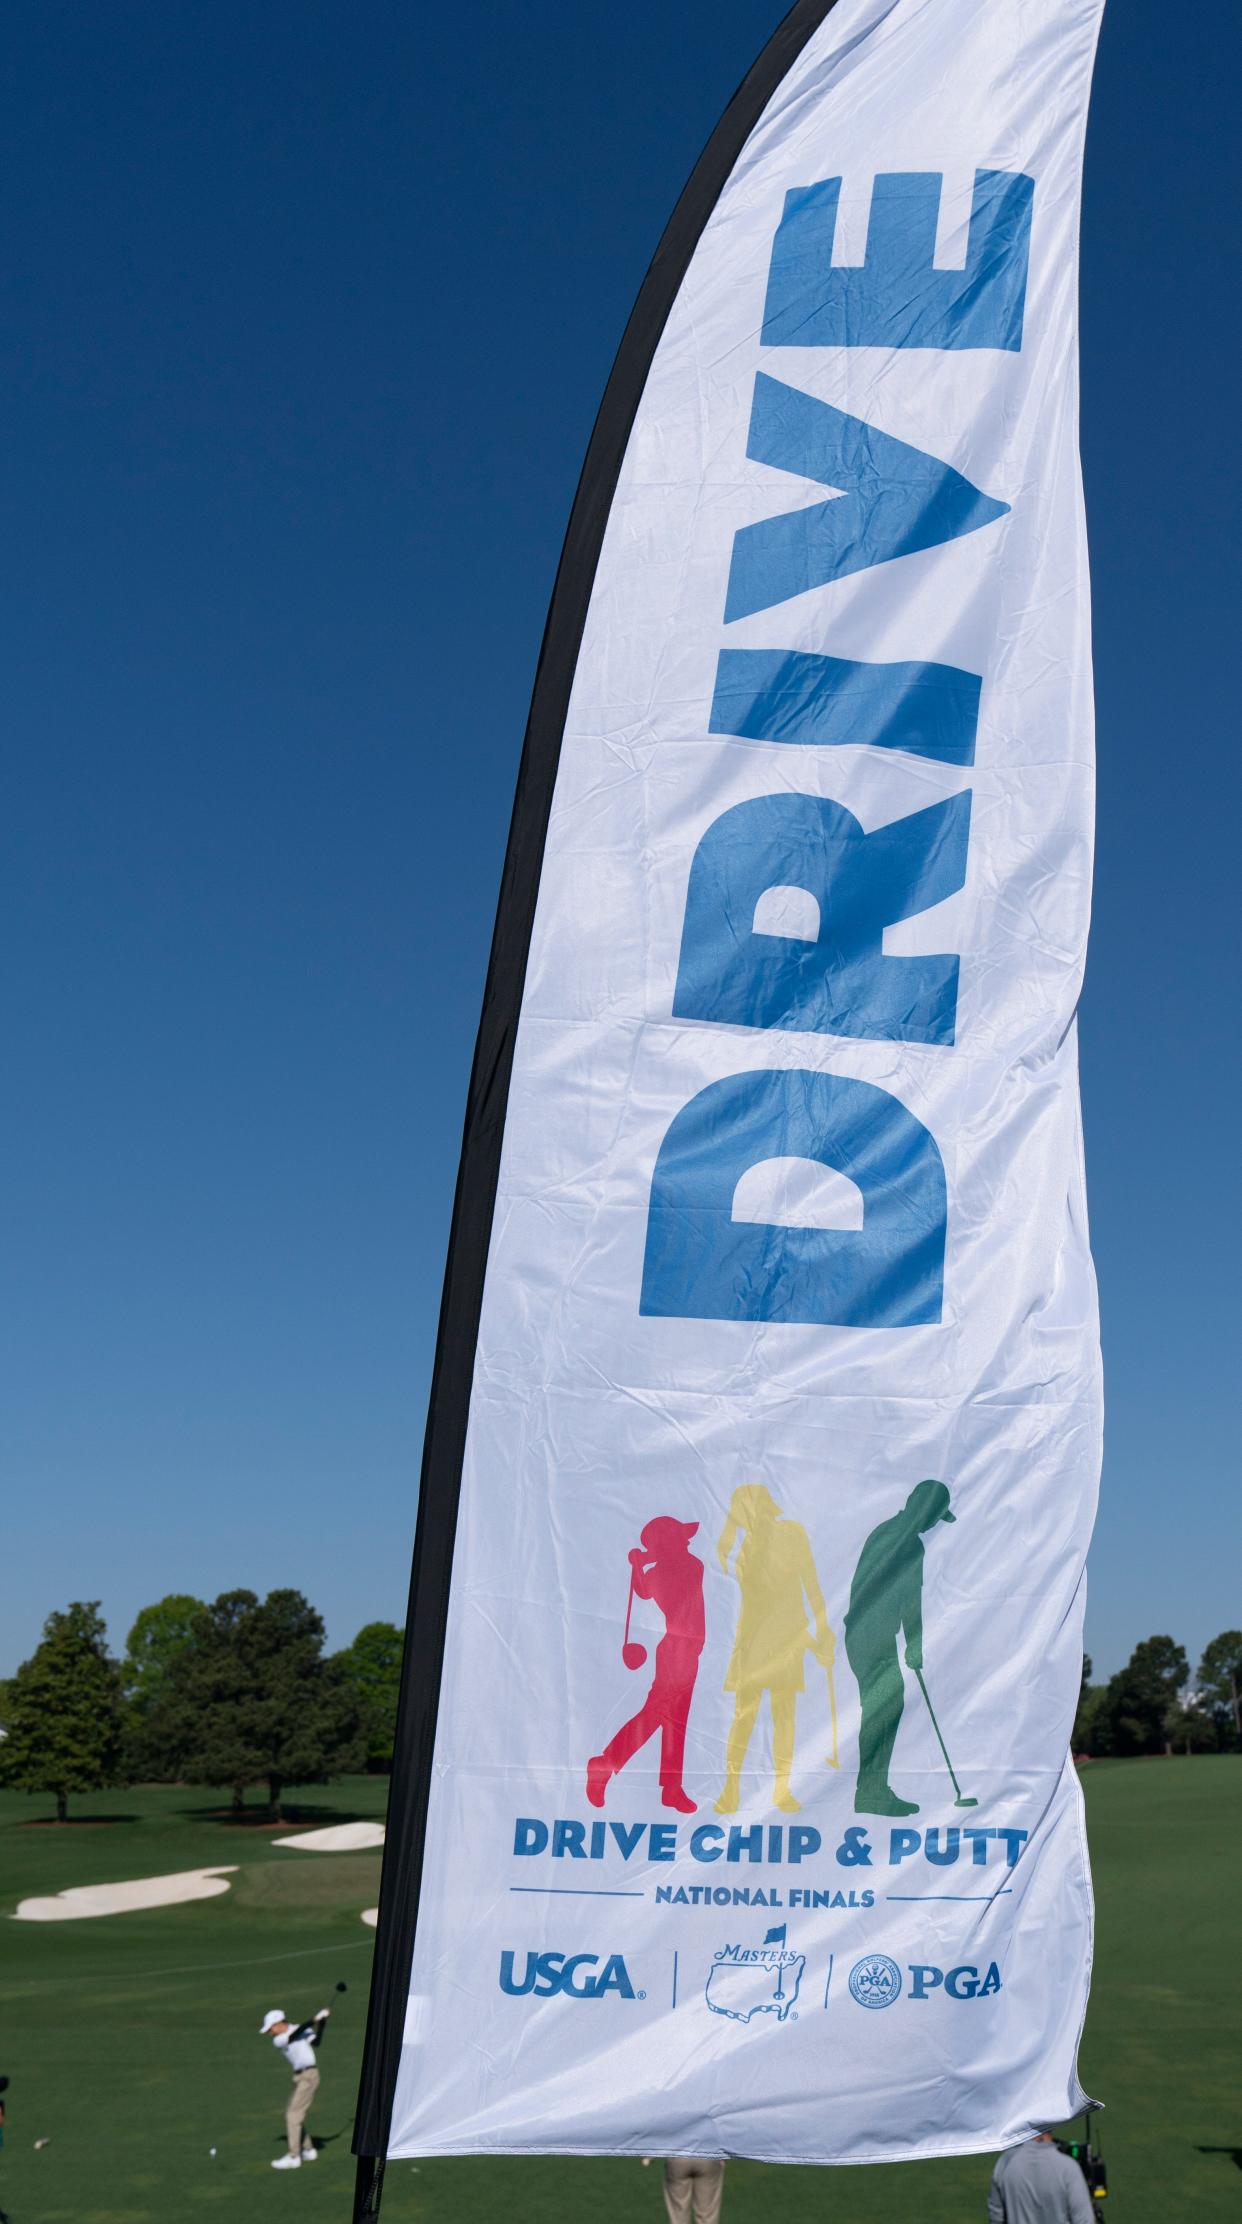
x,y
132,2045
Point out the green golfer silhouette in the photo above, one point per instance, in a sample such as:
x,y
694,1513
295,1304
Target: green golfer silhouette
x,y
886,1599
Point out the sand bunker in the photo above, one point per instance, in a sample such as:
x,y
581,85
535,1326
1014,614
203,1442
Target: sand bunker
x,y
370,1915
83,1900
340,1837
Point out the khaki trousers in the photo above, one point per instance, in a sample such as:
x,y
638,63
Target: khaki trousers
x,y
693,2188
305,2087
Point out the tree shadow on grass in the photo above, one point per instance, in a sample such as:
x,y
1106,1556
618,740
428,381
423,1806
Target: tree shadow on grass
x,y
1234,2154
291,1817
75,1822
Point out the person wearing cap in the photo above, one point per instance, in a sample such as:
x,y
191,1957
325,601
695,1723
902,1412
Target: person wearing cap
x,y
886,1602
663,1569
782,1616
298,2042
1037,2184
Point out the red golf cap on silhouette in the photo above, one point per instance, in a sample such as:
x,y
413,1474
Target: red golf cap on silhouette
x,y
663,1533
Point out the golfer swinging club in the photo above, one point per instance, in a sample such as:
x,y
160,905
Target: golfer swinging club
x,y
662,1568
886,1598
298,2043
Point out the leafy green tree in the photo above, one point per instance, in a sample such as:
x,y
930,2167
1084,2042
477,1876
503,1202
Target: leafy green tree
x,y
1084,1685
197,1727
1088,1734
1093,1730
251,1699
1141,1694
158,1635
1219,1680
310,1724
372,1665
63,1711
1189,1728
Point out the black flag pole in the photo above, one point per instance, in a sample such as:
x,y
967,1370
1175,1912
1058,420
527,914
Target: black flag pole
x,y
478,1170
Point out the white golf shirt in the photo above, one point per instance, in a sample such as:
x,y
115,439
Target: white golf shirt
x,y
296,2045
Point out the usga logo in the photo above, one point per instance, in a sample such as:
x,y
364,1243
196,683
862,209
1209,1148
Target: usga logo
x,y
580,1976
875,1981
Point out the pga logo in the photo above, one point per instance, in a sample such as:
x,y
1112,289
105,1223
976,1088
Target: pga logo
x,y
963,1983
876,1982
576,1976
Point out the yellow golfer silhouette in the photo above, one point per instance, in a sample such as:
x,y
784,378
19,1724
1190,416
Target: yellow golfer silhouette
x,y
776,1571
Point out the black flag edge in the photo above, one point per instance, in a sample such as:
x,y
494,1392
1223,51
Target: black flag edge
x,y
483,1131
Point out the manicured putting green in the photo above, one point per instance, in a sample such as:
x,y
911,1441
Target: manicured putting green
x,y
132,2045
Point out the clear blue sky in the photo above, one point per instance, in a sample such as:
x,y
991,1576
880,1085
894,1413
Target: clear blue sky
x,y
313,306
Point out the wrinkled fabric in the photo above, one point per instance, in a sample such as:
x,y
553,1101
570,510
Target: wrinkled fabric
x,y
655,1916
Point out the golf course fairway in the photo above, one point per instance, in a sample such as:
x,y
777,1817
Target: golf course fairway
x,y
132,2046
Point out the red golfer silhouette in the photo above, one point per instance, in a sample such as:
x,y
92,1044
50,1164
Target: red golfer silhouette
x,y
664,1569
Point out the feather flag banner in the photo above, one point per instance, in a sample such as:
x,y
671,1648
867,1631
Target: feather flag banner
x,y
732,1812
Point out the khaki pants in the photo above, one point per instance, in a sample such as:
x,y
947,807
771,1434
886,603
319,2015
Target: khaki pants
x,y
305,2087
693,2188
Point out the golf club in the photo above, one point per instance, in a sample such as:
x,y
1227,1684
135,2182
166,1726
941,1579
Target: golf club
x,y
632,1654
961,1799
833,1759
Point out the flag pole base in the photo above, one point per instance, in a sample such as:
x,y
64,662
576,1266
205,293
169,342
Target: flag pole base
x,y
368,2188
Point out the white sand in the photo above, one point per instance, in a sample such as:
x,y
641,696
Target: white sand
x,y
82,1900
341,1837
370,1915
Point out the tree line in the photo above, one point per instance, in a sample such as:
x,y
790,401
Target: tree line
x,y
1154,1705
229,1694
241,1692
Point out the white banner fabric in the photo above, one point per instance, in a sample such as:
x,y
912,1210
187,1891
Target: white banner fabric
x,y
752,1828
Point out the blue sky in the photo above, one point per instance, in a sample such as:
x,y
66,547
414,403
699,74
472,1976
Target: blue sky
x,y
313,310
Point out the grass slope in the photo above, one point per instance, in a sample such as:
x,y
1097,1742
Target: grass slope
x,y
132,2045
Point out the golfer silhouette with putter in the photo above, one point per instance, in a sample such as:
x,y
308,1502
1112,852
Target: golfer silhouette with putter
x,y
886,1600
664,1569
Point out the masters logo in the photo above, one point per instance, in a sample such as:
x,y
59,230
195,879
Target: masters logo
x,y
746,1981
